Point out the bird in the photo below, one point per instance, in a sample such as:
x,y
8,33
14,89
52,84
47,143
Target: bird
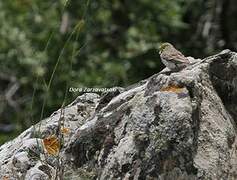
x,y
172,58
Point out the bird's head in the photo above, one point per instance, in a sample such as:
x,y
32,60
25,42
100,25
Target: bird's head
x,y
163,46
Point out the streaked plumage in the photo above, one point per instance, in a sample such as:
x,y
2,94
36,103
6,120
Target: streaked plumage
x,y
172,58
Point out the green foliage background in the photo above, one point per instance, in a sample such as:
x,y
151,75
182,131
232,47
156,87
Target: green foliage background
x,y
104,44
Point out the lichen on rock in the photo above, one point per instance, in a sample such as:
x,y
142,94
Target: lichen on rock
x,y
173,125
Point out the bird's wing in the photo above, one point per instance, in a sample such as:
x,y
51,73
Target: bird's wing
x,y
177,57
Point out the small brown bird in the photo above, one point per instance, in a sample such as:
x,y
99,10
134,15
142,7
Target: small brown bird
x,y
172,58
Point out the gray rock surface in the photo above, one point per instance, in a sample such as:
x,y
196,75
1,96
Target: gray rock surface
x,y
179,125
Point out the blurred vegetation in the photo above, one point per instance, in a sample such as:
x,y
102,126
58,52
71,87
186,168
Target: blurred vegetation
x,y
48,46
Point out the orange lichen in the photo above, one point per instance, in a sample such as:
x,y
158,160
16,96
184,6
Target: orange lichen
x,y
5,178
65,130
51,145
173,88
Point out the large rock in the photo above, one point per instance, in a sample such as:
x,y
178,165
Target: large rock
x,y
179,125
